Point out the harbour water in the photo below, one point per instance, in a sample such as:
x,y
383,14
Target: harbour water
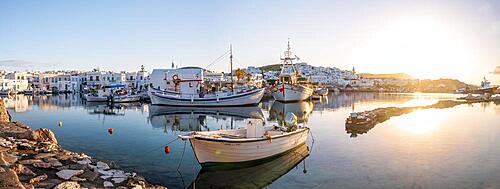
x,y
433,148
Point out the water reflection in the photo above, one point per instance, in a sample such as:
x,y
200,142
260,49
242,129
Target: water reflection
x,y
199,119
256,175
301,109
430,148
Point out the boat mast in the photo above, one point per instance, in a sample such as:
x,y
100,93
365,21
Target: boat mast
x,y
231,62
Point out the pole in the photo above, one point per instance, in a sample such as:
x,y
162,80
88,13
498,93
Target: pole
x,y
231,62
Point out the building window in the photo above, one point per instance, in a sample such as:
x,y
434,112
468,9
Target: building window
x,y
97,78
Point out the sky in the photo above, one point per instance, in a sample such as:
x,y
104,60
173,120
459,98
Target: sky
x,y
426,39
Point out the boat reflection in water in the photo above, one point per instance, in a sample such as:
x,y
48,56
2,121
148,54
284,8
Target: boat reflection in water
x,y
103,108
257,174
196,119
301,109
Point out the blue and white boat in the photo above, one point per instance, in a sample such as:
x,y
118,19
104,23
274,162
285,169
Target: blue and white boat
x,y
186,87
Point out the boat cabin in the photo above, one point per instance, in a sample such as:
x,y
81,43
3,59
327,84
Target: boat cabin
x,y
182,80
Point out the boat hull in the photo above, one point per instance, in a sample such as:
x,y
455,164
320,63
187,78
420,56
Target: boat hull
x,y
292,93
91,98
209,151
128,98
244,99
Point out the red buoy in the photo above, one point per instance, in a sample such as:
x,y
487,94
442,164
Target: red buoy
x,y
167,149
110,130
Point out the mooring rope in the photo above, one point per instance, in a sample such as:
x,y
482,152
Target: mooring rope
x,y
177,138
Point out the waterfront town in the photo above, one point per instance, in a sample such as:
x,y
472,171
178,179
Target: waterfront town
x,y
49,82
249,94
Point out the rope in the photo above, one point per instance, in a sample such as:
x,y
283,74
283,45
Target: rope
x,y
163,145
182,156
217,59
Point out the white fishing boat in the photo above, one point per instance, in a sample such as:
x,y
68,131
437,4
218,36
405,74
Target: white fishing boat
x,y
186,87
96,98
255,142
486,87
288,89
123,96
99,94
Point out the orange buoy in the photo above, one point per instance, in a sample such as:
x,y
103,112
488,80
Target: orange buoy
x,y
110,130
167,149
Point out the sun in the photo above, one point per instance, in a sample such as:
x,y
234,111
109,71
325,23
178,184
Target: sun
x,y
424,47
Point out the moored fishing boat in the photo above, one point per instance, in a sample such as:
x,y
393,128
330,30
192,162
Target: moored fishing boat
x,y
288,89
486,87
123,96
186,87
252,143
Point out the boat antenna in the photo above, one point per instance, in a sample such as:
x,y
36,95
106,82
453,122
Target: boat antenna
x,y
231,62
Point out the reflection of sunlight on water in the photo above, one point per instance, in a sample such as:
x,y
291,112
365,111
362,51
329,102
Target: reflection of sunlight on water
x,y
421,121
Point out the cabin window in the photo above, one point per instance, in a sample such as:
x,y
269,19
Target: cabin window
x,y
190,84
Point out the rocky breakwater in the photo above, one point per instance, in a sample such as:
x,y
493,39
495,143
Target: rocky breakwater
x,y
34,159
362,122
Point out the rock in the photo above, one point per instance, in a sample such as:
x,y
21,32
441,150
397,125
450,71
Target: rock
x,y
119,173
4,114
108,184
28,186
103,166
118,180
67,174
77,179
9,179
30,161
24,146
55,163
7,159
42,165
67,185
108,173
44,155
77,166
90,175
43,135
23,170
38,178
84,161
2,170
50,183
105,177
136,186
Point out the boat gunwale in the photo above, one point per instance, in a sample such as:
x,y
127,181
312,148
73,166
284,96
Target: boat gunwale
x,y
214,99
249,140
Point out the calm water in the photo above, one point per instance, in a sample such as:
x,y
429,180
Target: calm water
x,y
446,148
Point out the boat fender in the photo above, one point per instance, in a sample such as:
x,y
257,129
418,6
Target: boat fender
x,y
110,131
268,137
167,149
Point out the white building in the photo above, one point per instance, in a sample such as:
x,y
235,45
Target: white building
x,y
15,81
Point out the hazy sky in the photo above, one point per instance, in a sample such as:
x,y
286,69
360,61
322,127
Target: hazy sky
x,y
426,39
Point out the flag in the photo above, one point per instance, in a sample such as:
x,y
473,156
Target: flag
x,y
173,65
283,89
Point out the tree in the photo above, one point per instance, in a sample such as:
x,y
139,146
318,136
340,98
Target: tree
x,y
240,74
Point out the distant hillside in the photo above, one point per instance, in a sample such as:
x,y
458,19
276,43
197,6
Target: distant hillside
x,y
386,76
272,67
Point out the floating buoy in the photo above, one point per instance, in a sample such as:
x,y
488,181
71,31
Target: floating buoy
x,y
60,123
110,130
167,149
